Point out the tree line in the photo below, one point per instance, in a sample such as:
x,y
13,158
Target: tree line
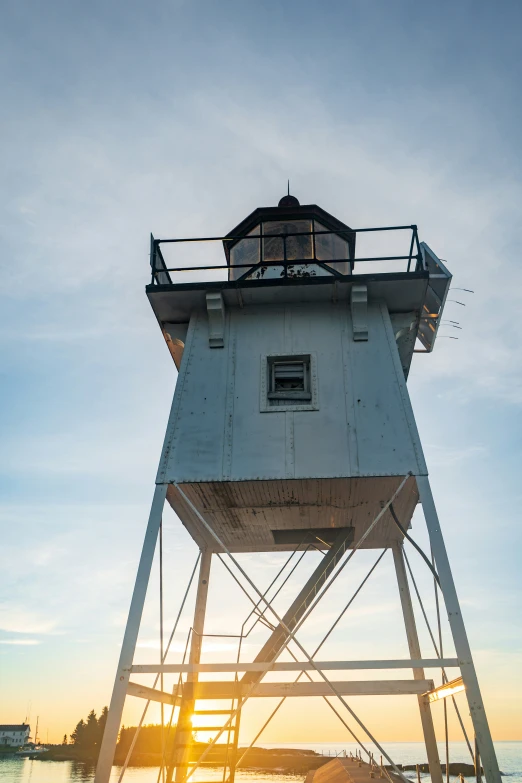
x,y
150,739
88,733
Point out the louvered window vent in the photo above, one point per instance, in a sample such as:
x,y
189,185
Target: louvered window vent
x,y
289,378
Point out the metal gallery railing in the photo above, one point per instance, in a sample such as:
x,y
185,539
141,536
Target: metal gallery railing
x,y
161,271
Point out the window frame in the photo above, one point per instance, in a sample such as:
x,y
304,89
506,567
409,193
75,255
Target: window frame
x,y
288,401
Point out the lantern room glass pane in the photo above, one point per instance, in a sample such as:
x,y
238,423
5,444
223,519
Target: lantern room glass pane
x,y
246,251
262,246
273,249
297,248
332,248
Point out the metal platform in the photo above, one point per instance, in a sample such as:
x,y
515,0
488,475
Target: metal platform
x,y
248,515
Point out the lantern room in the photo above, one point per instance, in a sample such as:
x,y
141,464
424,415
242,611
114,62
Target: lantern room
x,y
289,241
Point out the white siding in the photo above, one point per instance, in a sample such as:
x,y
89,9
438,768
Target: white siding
x,y
363,427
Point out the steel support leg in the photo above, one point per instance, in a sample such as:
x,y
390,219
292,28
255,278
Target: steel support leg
x,y
415,653
183,738
460,639
112,727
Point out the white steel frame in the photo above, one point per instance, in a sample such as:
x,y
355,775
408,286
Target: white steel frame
x,y
123,686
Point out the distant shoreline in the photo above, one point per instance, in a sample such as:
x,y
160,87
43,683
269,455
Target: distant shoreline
x,y
290,761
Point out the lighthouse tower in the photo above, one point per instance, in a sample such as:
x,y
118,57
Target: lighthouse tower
x,y
291,430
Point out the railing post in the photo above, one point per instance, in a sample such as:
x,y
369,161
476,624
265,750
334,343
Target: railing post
x,y
153,258
419,265
411,247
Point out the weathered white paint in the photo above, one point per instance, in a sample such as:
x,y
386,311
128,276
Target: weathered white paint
x,y
384,436
401,294
460,638
359,308
152,694
112,727
293,666
216,320
232,690
428,729
359,424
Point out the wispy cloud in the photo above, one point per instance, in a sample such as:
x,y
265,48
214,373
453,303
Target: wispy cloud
x,y
21,642
15,619
178,647
449,456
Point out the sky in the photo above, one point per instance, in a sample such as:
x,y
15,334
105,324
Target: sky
x,y
179,118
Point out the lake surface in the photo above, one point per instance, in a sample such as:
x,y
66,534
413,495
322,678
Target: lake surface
x,y
13,770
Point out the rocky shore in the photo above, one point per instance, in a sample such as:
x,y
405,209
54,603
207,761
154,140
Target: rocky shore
x,y
281,760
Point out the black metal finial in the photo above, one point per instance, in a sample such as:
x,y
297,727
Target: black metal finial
x,y
288,200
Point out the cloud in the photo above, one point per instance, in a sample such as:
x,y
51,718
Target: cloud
x,y
86,453
178,647
447,456
17,619
21,642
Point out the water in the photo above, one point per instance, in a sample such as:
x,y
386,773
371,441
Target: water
x,y
37,771
509,755
14,770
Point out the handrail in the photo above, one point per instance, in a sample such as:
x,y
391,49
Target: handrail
x,y
296,262
159,266
231,238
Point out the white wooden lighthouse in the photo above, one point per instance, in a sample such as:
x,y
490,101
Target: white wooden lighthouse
x,y
291,428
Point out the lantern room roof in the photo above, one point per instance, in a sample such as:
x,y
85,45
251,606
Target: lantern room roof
x,y
288,208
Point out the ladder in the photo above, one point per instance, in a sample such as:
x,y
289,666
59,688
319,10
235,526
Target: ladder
x,y
181,756
224,754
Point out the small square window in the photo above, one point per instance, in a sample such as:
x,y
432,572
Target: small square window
x,y
289,378
288,383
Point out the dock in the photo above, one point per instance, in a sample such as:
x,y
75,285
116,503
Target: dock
x,y
350,770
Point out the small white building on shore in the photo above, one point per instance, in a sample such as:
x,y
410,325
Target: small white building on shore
x,y
14,735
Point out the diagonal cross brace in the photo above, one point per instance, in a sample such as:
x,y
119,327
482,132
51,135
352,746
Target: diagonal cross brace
x,y
280,635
